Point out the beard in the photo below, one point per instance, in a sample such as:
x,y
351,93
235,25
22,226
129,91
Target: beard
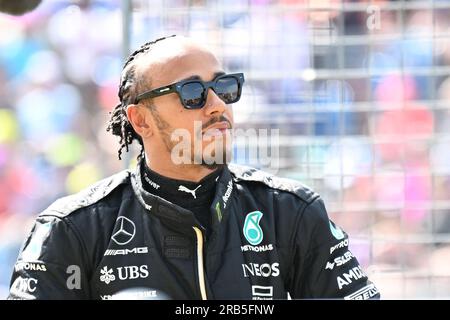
x,y
213,156
217,153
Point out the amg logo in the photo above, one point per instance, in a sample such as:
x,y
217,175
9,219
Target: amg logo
x,y
247,247
124,252
29,266
342,244
347,278
227,194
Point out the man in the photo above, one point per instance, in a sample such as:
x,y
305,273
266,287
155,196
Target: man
x,y
195,228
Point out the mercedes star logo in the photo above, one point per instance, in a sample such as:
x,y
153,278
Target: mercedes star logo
x,y
123,231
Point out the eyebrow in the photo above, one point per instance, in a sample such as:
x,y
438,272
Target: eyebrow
x,y
197,77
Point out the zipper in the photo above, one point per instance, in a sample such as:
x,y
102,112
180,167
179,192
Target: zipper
x,y
201,273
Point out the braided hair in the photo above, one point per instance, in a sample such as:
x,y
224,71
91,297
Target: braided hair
x,y
119,124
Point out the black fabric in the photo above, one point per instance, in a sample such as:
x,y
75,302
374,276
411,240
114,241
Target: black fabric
x,y
197,201
269,237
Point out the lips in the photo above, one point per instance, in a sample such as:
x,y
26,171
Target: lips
x,y
220,125
218,128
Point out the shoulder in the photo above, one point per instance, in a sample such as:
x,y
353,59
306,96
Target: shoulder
x,y
296,208
88,196
243,174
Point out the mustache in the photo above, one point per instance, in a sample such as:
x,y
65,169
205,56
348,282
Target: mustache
x,y
211,121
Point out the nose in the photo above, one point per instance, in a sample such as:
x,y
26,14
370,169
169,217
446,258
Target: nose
x,y
214,104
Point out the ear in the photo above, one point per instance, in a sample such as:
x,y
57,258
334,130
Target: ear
x,y
140,120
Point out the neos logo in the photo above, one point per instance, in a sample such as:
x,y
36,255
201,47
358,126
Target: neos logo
x,y
124,231
261,270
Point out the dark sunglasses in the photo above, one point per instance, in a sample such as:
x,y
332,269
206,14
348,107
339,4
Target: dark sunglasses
x,y
193,93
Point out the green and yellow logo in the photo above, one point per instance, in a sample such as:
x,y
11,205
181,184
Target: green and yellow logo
x,y
219,212
252,231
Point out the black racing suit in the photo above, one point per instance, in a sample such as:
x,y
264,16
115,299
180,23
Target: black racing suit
x,y
270,236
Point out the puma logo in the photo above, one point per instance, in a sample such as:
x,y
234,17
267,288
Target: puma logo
x,y
183,188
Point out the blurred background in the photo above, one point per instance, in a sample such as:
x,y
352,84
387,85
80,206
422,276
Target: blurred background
x,y
359,90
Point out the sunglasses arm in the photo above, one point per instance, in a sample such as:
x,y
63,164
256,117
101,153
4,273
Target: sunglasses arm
x,y
156,92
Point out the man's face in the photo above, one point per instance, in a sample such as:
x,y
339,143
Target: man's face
x,y
197,136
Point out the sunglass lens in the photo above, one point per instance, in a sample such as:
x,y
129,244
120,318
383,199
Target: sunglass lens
x,y
227,89
193,95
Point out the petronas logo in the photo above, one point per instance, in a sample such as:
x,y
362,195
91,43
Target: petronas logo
x,y
252,231
336,231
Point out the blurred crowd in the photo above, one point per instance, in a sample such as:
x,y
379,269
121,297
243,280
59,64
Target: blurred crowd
x,y
59,68
364,108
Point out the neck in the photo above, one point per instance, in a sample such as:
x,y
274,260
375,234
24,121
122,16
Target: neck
x,y
182,192
187,172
